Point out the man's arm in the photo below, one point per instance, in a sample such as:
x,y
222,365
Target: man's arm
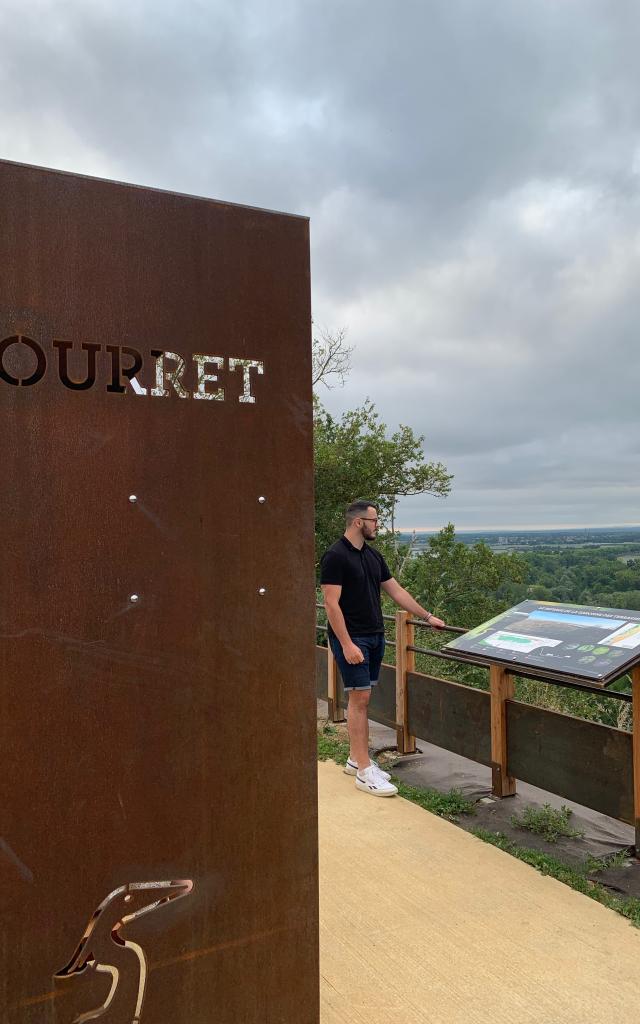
x,y
403,598
331,593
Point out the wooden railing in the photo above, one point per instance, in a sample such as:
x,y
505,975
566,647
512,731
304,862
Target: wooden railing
x,y
595,765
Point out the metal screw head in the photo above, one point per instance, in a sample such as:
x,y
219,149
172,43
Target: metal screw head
x,y
134,598
262,591
133,498
261,500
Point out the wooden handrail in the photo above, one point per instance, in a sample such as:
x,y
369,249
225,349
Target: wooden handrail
x,y
537,676
505,711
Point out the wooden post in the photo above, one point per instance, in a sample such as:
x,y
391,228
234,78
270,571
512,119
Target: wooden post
x,y
635,685
405,662
501,691
335,711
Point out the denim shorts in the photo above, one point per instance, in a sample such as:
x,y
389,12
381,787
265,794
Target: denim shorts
x,y
365,674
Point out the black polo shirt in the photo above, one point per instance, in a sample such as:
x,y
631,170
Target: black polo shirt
x,y
359,573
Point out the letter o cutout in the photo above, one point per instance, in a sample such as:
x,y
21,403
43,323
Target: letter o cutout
x,y
41,365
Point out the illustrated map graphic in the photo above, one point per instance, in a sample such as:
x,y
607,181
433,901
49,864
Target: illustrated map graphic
x,y
597,644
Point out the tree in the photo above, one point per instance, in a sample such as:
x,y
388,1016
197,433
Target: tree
x,y
355,458
406,473
330,358
461,583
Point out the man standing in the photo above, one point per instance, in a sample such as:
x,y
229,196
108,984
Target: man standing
x,y
352,574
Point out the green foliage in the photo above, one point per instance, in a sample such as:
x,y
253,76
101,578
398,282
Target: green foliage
x,y
584,575
547,821
355,457
595,865
628,906
594,707
459,583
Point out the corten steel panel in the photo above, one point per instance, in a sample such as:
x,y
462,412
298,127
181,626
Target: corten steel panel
x,y
450,715
172,738
382,703
583,761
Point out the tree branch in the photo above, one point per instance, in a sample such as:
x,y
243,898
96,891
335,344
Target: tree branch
x,y
331,358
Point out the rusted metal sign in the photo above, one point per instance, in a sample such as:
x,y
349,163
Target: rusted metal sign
x,y
158,804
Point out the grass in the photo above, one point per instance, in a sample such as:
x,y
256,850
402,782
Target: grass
x,y
594,865
332,747
547,822
446,805
576,878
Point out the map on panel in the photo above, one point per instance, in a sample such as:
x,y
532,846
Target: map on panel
x,y
597,644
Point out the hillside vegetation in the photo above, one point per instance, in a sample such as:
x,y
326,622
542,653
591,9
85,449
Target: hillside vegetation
x,y
357,456
468,584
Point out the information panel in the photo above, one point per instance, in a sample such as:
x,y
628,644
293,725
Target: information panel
x,y
595,644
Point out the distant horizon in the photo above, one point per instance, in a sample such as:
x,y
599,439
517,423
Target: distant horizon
x,y
520,529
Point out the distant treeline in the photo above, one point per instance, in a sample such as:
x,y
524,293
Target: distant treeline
x,y
583,575
563,565
523,540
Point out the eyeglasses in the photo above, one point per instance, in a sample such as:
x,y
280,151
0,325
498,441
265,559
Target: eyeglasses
x,y
368,519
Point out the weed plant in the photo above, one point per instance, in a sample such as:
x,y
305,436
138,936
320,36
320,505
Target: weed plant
x,y
548,822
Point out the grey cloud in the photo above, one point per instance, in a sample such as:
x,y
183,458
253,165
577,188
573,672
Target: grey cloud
x,y
471,172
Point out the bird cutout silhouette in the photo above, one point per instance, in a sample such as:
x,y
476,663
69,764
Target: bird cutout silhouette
x,y
102,942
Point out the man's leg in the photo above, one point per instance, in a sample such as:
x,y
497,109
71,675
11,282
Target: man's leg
x,y
373,649
358,726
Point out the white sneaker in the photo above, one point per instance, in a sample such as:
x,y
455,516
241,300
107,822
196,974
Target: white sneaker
x,y
351,768
370,781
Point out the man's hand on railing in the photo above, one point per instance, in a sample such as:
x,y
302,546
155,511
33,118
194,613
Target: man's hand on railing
x,y
353,655
433,620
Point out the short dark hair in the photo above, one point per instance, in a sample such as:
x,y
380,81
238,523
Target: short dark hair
x,y
359,509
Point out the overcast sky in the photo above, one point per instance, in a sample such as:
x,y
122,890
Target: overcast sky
x,y
471,169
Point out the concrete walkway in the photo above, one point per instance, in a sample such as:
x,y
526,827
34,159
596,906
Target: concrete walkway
x,y
422,923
